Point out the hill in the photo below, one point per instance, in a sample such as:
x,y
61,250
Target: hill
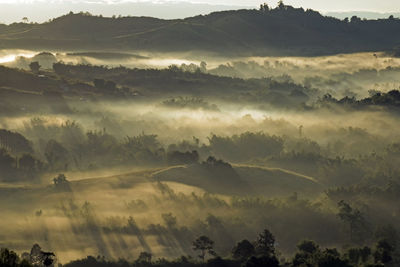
x,y
281,31
239,180
362,14
242,180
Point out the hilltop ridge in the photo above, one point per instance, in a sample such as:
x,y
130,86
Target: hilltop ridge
x,y
281,31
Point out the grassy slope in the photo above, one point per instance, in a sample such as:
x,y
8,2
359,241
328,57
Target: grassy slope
x,y
243,180
278,32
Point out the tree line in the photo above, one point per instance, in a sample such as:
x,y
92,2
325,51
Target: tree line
x,y
261,252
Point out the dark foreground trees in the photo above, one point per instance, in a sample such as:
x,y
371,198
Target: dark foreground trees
x,y
36,257
205,246
34,66
243,250
9,258
260,253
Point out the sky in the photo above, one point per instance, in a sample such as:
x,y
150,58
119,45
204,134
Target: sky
x,y
42,10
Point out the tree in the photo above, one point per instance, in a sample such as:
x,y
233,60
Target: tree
x,y
169,220
8,258
388,232
173,68
203,66
218,262
38,257
145,257
331,258
308,255
308,246
358,256
281,5
25,19
205,246
7,162
353,217
56,155
355,19
61,183
262,261
48,258
14,142
27,162
243,250
265,244
264,7
383,252
34,66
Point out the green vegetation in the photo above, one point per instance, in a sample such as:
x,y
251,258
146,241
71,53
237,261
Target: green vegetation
x,y
216,160
307,32
261,252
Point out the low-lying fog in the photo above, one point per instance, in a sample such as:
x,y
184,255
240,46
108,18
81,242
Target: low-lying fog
x,y
130,191
340,75
173,125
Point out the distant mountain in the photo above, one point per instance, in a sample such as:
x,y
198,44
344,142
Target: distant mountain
x,y
41,11
281,31
362,14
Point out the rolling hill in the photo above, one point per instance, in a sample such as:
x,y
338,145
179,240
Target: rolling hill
x,y
281,31
239,180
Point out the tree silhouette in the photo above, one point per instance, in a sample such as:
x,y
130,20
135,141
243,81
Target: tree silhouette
x,y
8,258
34,66
243,250
281,5
358,256
265,244
204,245
14,142
308,246
61,183
145,257
264,7
27,162
383,253
38,257
7,162
355,19
308,254
331,258
356,221
56,155
262,261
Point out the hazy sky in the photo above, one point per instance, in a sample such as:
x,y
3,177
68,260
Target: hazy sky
x,y
42,10
325,5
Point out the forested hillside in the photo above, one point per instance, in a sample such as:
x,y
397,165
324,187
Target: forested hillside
x,y
283,30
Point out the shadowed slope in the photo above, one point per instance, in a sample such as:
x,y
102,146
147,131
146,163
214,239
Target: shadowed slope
x,y
240,180
280,31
